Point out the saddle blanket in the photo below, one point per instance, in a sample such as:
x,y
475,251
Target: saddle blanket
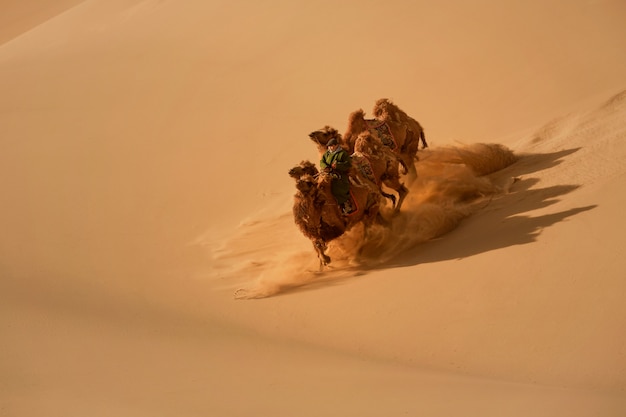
x,y
364,166
383,132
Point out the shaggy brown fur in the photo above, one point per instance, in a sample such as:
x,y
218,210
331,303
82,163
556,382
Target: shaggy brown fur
x,y
385,110
317,214
406,131
371,156
383,162
323,135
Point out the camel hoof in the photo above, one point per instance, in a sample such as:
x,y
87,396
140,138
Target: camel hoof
x,y
324,261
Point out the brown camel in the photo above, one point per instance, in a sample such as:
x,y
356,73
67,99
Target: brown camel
x,y
371,161
380,165
393,127
317,213
323,135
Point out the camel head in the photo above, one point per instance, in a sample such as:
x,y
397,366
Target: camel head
x,y
323,135
305,167
307,185
313,186
305,175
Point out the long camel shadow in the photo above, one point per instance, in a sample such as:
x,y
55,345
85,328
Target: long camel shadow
x,y
529,163
503,223
500,228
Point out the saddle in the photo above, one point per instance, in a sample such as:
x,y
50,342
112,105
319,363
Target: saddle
x,y
364,166
384,133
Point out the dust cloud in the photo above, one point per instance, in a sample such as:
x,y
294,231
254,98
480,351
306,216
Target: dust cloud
x,y
452,183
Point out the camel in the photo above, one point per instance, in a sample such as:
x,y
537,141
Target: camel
x,y
374,162
393,127
323,135
380,165
317,213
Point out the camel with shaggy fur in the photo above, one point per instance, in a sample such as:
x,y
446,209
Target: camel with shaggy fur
x,y
391,126
317,213
371,161
380,165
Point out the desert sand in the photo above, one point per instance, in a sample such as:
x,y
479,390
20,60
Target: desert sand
x,y
149,260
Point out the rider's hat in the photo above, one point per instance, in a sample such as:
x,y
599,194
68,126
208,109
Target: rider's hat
x,y
333,141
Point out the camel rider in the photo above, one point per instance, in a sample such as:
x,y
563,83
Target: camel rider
x,y
337,162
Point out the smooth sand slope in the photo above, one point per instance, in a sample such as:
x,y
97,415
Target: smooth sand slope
x,y
19,17
149,263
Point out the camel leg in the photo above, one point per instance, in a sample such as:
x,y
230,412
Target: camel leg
x,y
402,193
423,138
393,181
320,247
390,197
411,173
405,168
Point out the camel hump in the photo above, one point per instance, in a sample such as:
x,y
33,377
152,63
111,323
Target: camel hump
x,y
385,110
356,116
381,107
365,143
356,125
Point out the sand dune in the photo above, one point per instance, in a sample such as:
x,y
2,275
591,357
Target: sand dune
x,y
449,188
20,17
513,218
150,264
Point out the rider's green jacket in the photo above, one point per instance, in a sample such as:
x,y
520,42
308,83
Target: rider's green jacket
x,y
341,184
340,158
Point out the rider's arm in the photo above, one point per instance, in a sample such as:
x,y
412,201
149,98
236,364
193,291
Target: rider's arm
x,y
323,163
342,163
